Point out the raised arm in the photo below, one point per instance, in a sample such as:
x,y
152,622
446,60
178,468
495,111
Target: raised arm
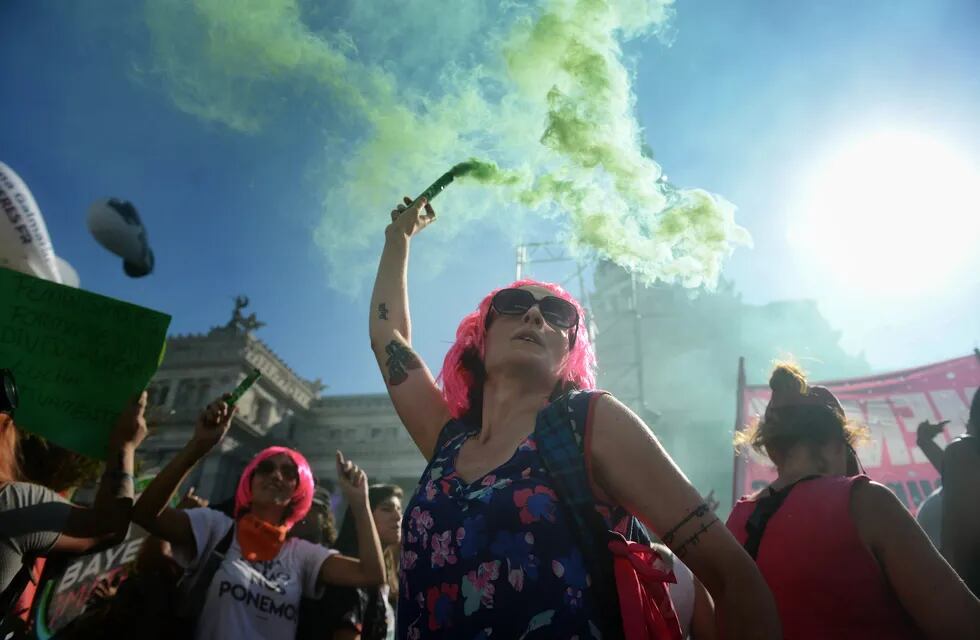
x,y
632,468
925,436
107,522
928,588
368,569
151,511
410,384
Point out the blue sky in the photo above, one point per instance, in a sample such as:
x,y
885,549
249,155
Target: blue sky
x,y
742,102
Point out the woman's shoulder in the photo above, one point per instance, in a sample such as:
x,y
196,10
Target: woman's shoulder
x,y
604,405
743,507
963,446
870,499
305,550
209,524
15,495
808,485
210,515
832,494
842,482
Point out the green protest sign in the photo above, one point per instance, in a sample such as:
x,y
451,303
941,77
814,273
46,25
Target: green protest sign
x,y
78,358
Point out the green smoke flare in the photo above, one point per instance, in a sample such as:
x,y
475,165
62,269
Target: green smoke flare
x,y
477,170
542,90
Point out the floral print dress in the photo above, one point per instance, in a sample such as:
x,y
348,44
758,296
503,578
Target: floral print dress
x,y
495,558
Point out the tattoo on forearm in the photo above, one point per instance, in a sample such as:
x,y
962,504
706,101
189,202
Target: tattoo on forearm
x,y
697,515
681,551
698,512
400,361
382,311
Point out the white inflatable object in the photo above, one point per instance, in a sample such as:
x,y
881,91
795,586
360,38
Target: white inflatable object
x,y
67,272
116,225
24,242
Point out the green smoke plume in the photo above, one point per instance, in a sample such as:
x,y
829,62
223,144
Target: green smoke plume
x,y
542,90
484,172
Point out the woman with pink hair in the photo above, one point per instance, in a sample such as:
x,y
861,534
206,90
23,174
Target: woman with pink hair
x,y
489,548
261,574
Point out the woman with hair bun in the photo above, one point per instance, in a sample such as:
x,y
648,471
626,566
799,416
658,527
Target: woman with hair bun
x,y
842,556
256,590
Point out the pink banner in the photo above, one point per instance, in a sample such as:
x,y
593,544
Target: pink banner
x,y
892,405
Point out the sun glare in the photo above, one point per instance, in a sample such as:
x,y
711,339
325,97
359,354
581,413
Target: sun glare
x,y
890,212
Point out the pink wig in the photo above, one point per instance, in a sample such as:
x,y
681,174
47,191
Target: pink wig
x,y
299,504
471,336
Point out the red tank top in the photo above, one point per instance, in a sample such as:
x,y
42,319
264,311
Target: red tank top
x,y
825,581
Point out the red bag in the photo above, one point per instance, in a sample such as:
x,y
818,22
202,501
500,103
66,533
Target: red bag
x,y
644,603
632,567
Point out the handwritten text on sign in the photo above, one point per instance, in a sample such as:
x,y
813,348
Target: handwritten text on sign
x,y
78,358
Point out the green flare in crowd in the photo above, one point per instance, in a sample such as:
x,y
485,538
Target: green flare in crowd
x,y
543,89
242,387
436,187
478,170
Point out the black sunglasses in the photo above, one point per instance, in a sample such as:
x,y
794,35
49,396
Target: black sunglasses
x,y
288,471
557,312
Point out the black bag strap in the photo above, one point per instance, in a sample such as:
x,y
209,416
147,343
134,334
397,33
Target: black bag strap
x,y
225,543
560,435
194,595
765,508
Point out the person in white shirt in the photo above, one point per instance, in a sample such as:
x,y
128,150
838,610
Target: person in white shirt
x,y
692,603
256,590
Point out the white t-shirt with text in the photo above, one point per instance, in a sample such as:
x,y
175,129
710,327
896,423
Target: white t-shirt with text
x,y
251,600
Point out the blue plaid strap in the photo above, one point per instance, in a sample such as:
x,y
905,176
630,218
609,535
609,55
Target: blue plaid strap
x,y
560,436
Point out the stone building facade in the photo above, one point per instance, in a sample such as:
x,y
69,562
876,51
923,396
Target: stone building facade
x,y
200,367
368,431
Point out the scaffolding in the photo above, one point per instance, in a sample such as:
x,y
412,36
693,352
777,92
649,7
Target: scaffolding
x,y
557,253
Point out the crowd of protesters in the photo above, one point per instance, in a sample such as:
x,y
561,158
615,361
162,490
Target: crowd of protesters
x,y
546,509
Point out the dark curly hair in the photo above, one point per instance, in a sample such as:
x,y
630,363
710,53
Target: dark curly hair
x,y
45,463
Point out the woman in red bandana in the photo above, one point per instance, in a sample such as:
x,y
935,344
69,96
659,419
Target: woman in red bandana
x,y
256,589
842,555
